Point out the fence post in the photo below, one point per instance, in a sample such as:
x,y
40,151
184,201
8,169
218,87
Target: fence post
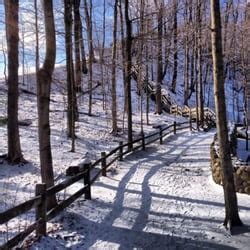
x,y
104,171
86,178
161,141
174,128
121,151
41,209
143,141
190,120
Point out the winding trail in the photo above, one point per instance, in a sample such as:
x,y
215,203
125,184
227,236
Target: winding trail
x,y
162,198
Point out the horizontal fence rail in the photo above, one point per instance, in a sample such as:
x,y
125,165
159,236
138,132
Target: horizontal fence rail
x,y
84,173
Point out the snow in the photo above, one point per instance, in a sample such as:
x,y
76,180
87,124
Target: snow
x,y
242,153
157,199
17,183
163,198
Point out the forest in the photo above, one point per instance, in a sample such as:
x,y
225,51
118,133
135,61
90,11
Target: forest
x,y
124,124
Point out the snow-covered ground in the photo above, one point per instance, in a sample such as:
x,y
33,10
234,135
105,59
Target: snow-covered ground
x,y
158,199
93,135
17,183
163,198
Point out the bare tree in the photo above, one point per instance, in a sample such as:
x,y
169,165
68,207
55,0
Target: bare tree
x,y
88,16
187,57
231,207
200,69
175,44
77,20
44,78
123,56
114,52
159,56
128,65
11,18
37,36
83,55
71,111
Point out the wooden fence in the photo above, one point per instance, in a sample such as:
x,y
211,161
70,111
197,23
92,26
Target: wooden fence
x,y
42,193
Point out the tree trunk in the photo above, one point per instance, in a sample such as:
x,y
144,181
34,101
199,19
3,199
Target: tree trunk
x,y
128,65
11,18
192,51
113,91
141,80
88,15
44,78
71,110
175,26
186,62
84,67
200,80
147,74
37,37
102,61
159,58
123,58
77,20
231,206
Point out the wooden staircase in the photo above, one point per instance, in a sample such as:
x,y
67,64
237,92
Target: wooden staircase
x,y
191,113
169,105
149,88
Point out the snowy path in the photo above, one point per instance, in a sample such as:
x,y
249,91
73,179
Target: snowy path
x,y
162,198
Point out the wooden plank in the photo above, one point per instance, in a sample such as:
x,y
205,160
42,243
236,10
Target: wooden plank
x,y
104,163
86,178
41,210
112,152
21,236
95,176
182,128
151,135
62,205
96,163
59,187
137,147
182,123
168,133
137,140
113,160
121,151
19,209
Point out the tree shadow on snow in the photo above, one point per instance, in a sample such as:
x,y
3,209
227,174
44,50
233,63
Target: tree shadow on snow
x,y
140,220
123,238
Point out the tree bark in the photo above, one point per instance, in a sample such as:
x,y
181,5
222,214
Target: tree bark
x,y
200,78
123,57
113,91
37,37
44,78
88,15
187,60
84,67
71,110
159,58
128,65
175,34
77,20
231,207
14,155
